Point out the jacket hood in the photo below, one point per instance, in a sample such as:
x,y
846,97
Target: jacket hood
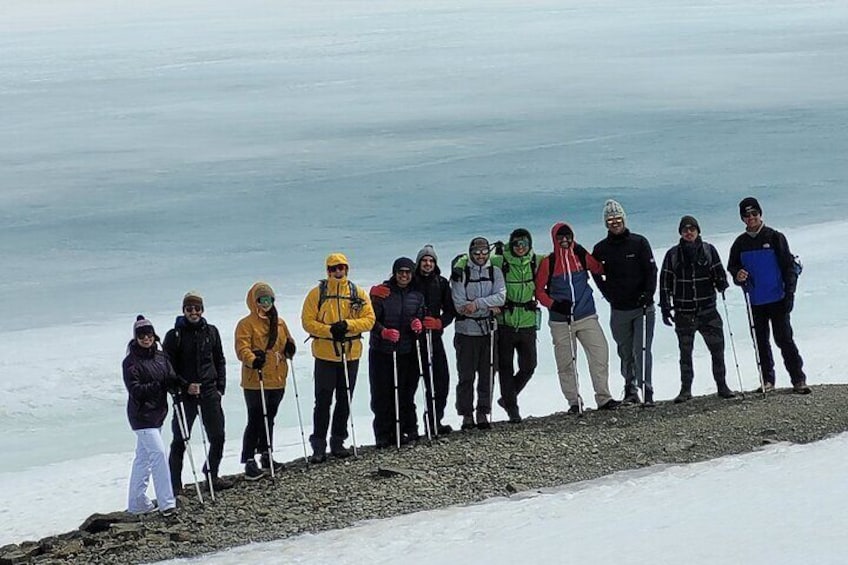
x,y
337,259
556,228
258,289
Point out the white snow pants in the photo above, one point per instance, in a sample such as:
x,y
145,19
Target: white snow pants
x,y
150,458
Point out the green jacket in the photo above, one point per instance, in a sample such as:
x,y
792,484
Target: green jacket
x,y
519,273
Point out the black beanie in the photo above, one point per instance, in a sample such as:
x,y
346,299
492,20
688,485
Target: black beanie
x,y
688,221
749,204
518,234
403,263
478,243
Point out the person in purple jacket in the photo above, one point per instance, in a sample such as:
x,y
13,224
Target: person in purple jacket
x,y
147,376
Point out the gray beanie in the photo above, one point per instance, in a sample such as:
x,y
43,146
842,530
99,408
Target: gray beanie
x,y
142,326
426,251
613,209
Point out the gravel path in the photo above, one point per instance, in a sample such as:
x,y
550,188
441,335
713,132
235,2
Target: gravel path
x,y
461,468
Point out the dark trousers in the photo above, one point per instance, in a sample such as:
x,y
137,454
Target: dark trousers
x,y
474,361
440,376
330,383
511,341
254,440
381,376
213,424
708,323
776,314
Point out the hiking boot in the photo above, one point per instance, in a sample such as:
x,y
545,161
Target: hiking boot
x,y
801,388
483,421
574,409
443,429
409,438
610,404
769,387
725,392
337,449
252,472
468,423
514,415
169,512
383,443
319,456
684,395
266,464
222,483
649,398
631,395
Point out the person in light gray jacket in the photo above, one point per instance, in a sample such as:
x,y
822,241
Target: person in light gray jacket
x,y
478,291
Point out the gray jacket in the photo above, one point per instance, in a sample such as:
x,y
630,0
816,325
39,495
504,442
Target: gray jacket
x,y
483,290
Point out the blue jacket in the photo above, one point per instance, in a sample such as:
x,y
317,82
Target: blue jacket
x,y
769,262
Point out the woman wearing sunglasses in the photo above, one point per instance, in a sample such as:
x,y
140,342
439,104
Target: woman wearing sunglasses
x,y
263,344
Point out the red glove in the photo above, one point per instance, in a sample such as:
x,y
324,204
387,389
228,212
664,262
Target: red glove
x,y
416,325
390,335
432,323
380,291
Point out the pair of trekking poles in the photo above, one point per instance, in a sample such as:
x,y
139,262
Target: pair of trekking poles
x,y
179,412
430,425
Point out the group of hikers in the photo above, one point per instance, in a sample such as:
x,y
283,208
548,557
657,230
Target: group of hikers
x,y
494,296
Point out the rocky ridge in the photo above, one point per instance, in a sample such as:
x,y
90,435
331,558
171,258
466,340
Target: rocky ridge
x,y
462,468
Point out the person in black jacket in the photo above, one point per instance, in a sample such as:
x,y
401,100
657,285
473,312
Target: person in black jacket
x,y
194,348
628,283
438,314
398,323
691,274
148,376
762,264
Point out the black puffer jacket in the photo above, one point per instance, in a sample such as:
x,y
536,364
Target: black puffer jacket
x,y
147,376
396,312
196,353
629,269
438,302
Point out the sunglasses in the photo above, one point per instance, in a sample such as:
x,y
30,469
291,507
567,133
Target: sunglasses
x,y
751,214
334,268
689,228
614,221
480,252
404,272
192,308
521,243
145,335
265,300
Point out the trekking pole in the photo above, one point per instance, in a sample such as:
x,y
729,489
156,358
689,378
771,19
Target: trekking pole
x,y
349,402
299,417
397,399
432,381
205,452
733,345
754,340
427,415
493,327
644,351
571,338
265,420
179,411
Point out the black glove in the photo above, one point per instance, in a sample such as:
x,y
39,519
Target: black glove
x,y
667,317
499,248
644,300
290,349
789,302
259,360
562,307
339,329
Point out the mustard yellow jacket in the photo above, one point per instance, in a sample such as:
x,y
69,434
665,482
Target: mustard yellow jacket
x,y
359,316
252,333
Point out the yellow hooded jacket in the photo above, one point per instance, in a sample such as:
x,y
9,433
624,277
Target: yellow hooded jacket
x,y
360,317
252,333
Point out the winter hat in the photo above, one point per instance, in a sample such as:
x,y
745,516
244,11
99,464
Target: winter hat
x,y
336,259
402,263
613,209
142,326
686,221
478,243
193,298
263,289
426,251
749,204
519,234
